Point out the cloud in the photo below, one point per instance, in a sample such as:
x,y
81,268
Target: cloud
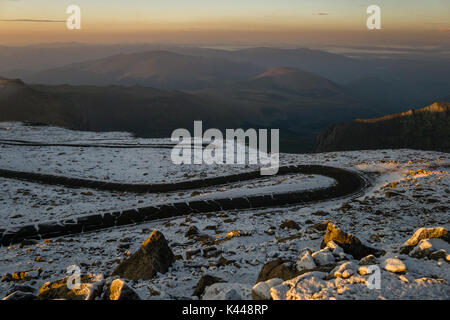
x,y
321,14
30,20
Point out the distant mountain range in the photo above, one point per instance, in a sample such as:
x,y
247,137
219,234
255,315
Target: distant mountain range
x,y
297,102
27,61
385,84
153,92
160,69
426,129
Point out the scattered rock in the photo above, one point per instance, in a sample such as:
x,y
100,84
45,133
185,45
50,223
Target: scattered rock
x,y
335,249
305,262
119,290
427,246
202,238
368,260
394,265
153,256
232,234
422,250
192,231
90,288
19,276
237,233
19,295
192,252
222,261
22,288
440,254
205,281
349,243
282,269
364,270
423,234
211,252
227,291
7,277
320,213
321,226
345,270
261,290
289,238
289,224
323,257
304,287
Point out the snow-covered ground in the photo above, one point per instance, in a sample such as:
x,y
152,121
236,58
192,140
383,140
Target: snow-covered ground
x,y
409,189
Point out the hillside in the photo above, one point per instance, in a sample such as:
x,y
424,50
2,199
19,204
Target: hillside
x,y
426,128
141,110
19,102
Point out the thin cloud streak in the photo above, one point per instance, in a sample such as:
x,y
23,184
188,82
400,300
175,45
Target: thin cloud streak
x,y
30,20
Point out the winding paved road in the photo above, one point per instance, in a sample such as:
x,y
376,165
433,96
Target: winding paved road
x,y
347,183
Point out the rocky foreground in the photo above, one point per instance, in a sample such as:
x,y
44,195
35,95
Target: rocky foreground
x,y
343,264
396,231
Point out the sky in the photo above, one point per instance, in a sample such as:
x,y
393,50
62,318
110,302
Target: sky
x,y
214,21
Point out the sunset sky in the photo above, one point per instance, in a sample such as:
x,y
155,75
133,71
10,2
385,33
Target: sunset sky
x,y
32,21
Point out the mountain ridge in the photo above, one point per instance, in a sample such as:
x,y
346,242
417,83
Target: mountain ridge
x,y
427,128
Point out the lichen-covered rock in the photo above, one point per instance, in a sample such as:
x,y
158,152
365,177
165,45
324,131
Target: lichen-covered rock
x,y
349,243
90,287
153,256
423,234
